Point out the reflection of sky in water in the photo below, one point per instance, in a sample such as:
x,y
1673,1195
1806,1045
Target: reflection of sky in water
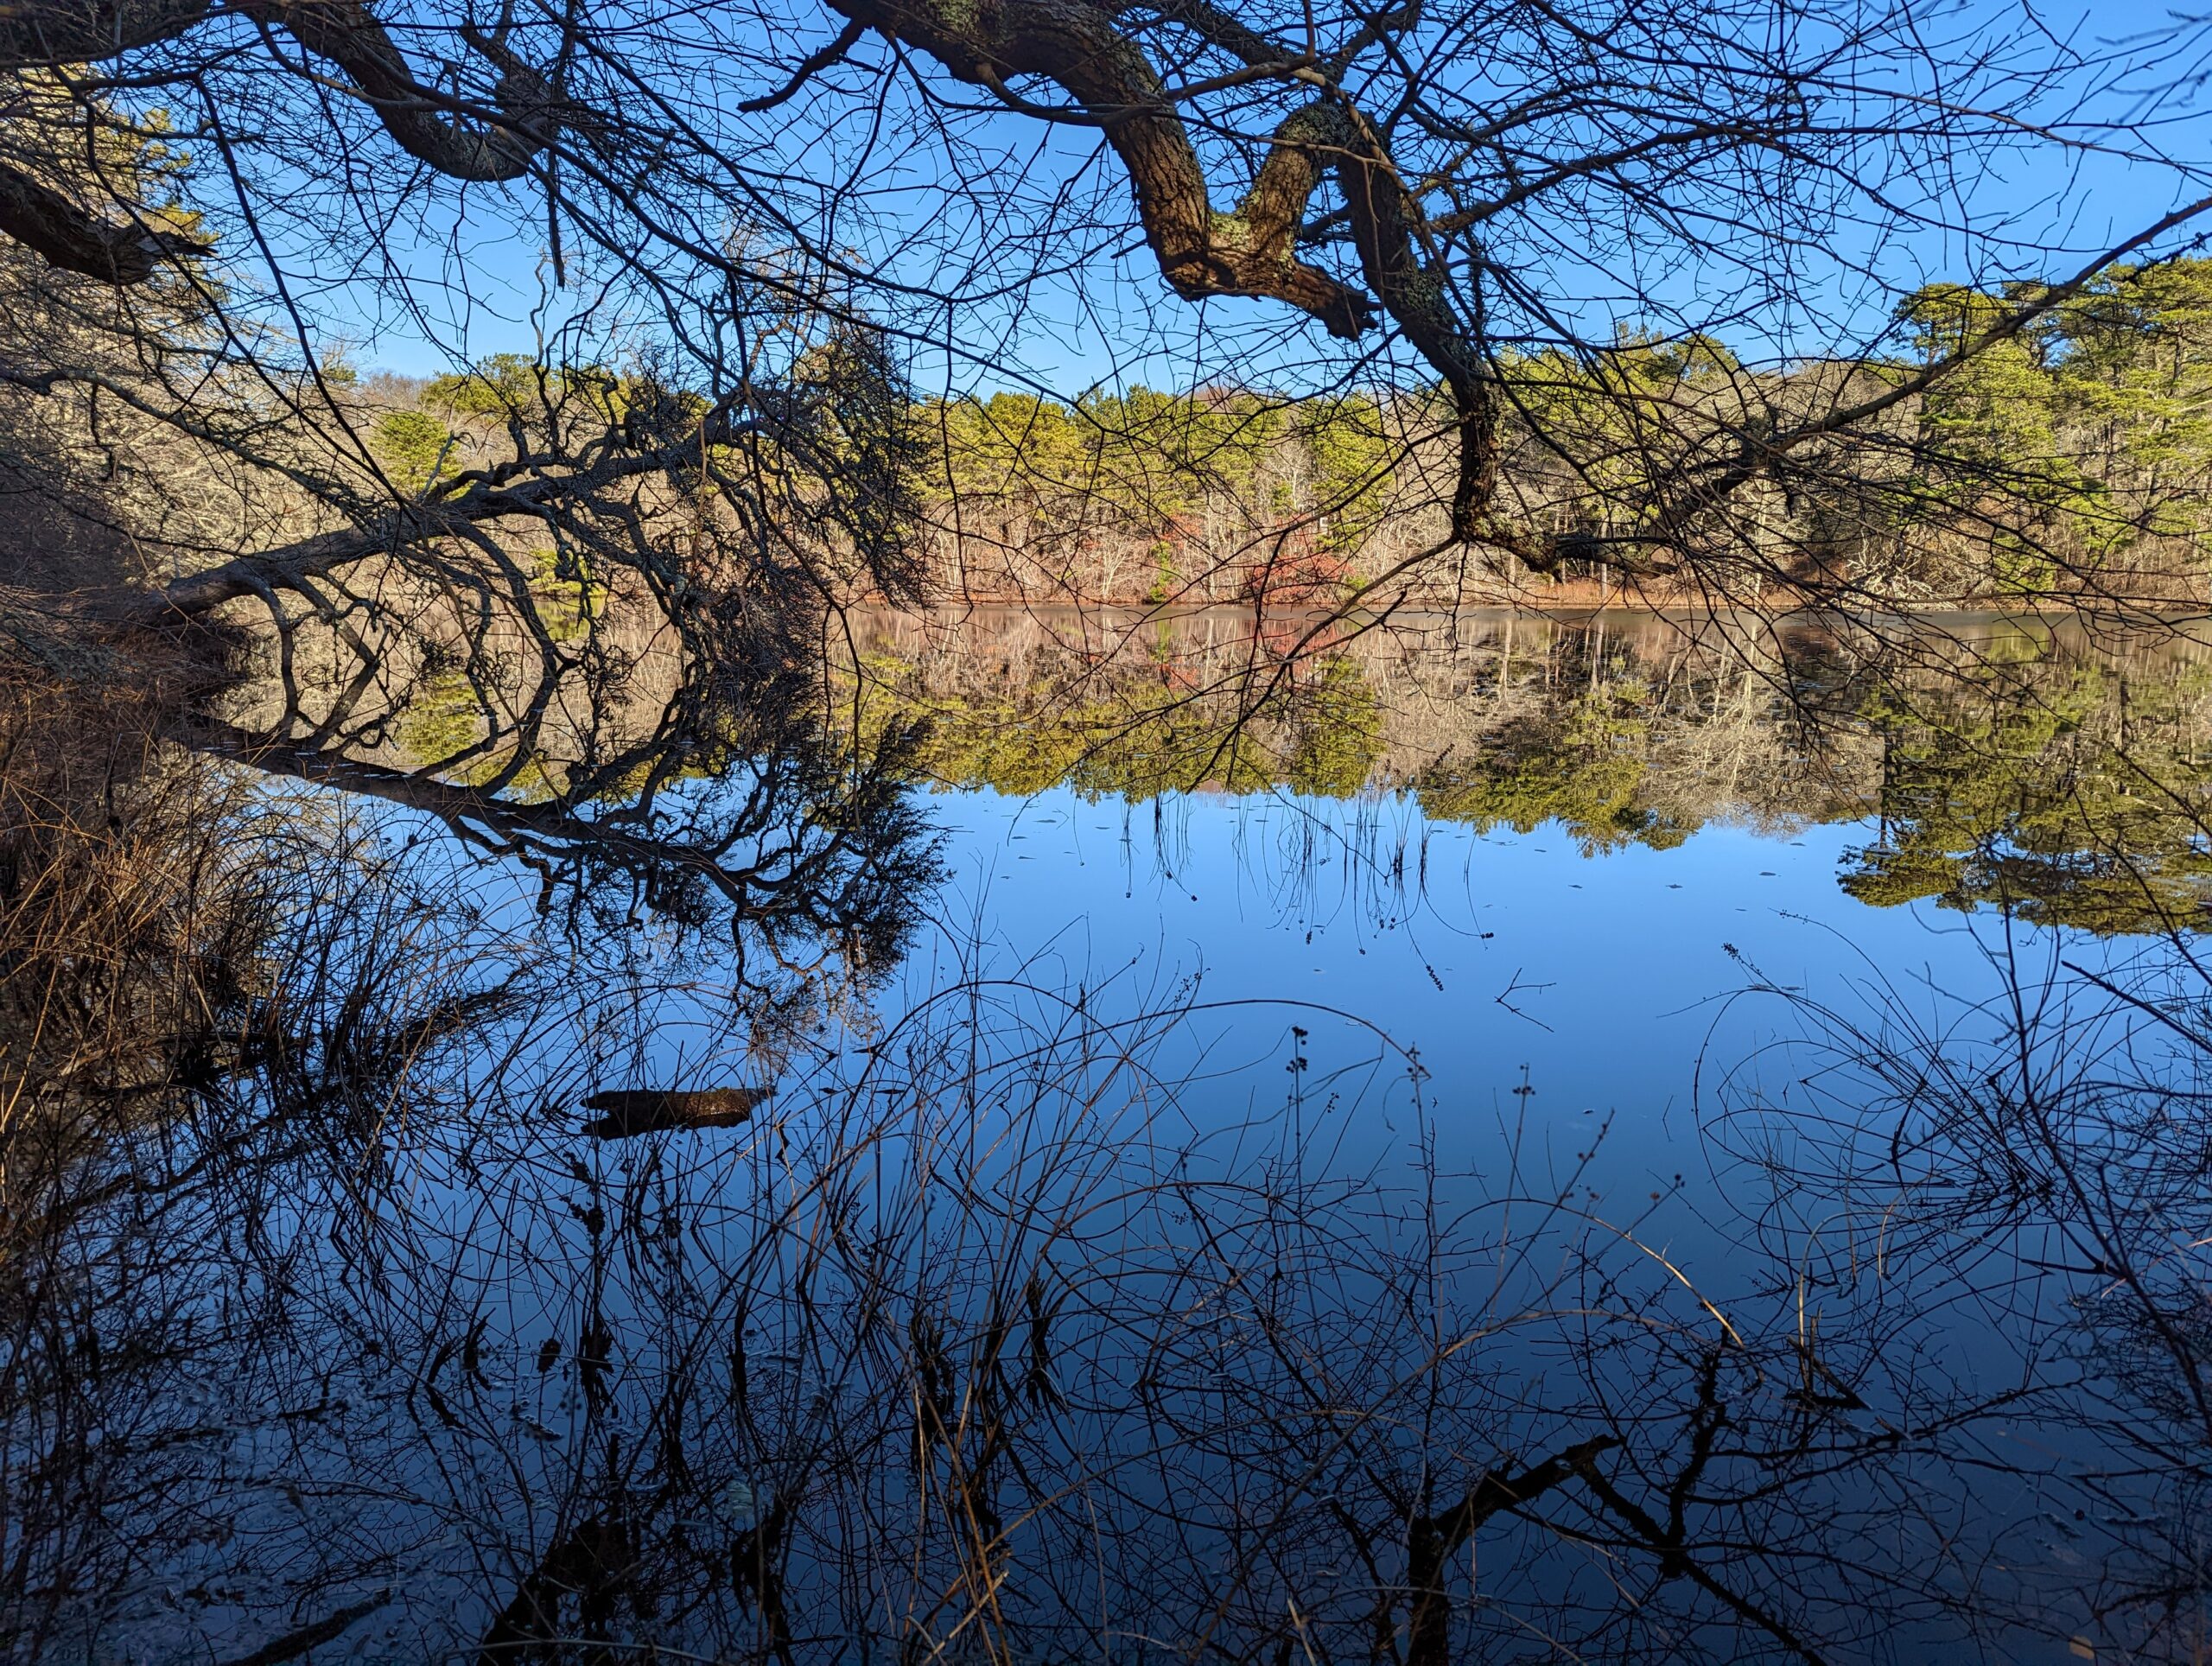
x,y
1570,1015
504,1326
1605,977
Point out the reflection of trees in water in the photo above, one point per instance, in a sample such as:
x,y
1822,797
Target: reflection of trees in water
x,y
989,1339
683,779
2029,764
226,999
1501,719
2040,1165
2072,788
325,1319
2040,764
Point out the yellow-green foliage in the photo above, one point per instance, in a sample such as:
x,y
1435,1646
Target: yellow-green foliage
x,y
443,717
2024,792
2075,439
2000,407
1336,728
563,593
2070,791
2134,380
1583,770
1989,430
1145,740
1353,462
1117,750
414,447
2089,431
507,387
1144,456
125,156
1613,424
504,384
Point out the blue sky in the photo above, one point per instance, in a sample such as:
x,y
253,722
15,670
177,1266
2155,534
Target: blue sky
x,y
481,285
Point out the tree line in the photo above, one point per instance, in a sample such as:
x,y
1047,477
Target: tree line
x,y
1407,238
2072,460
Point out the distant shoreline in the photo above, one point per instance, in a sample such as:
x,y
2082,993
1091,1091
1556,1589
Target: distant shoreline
x,y
2162,614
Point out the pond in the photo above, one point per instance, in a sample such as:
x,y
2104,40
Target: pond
x,y
1132,1138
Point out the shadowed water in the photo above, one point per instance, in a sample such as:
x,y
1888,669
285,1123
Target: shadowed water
x,y
1492,1139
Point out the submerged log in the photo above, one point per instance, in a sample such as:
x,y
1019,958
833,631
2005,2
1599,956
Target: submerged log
x,y
626,1113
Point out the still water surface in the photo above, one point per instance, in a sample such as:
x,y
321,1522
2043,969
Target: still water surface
x,y
1381,1212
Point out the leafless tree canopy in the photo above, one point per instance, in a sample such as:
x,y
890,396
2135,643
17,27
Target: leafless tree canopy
x,y
483,1204
744,245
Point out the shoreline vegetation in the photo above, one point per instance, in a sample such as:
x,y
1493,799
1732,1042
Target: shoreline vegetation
x,y
2068,467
